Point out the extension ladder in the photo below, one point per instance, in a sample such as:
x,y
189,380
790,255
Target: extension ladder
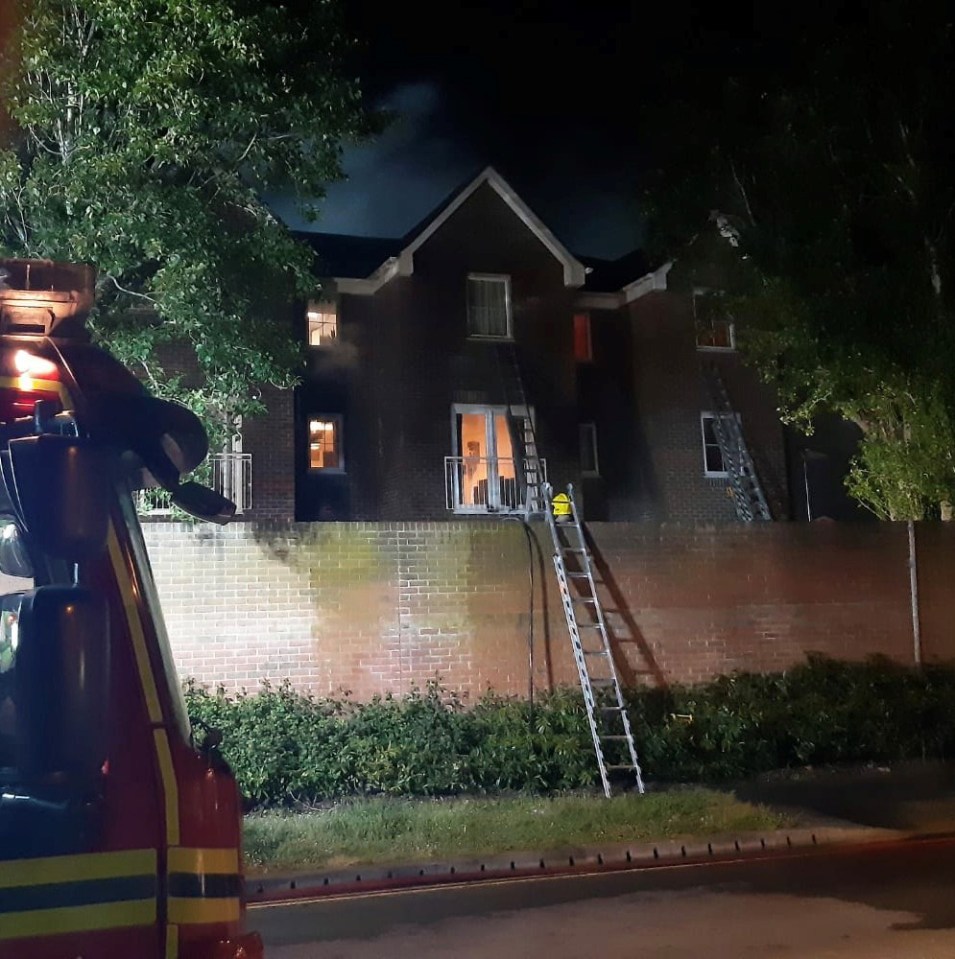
x,y
603,697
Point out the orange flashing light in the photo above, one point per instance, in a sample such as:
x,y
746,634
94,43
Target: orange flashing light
x,y
29,365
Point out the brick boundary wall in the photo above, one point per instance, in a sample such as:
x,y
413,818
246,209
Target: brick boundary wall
x,y
380,607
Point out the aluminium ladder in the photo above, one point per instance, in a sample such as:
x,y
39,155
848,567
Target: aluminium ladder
x,y
603,698
523,437
748,496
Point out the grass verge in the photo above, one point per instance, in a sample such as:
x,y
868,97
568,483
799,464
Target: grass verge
x,y
376,830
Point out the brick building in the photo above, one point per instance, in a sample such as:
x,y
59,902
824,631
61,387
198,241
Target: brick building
x,y
410,408
371,554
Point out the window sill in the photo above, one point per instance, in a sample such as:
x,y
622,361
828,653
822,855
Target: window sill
x,y
715,349
325,471
489,338
708,475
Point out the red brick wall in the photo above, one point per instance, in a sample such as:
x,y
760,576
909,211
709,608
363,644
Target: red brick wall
x,y
379,607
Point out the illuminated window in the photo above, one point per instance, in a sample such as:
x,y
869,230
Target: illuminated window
x,y
325,443
583,348
714,330
588,450
489,305
322,324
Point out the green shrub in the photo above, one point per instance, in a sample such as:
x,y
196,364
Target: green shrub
x,y
286,747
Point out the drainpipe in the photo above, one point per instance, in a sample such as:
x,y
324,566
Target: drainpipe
x,y
914,592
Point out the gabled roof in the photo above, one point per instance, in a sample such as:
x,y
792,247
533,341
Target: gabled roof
x,y
351,260
350,256
610,276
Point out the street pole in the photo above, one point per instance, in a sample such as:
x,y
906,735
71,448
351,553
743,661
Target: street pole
x,y
914,592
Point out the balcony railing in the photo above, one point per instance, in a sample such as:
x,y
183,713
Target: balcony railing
x,y
475,484
229,474
232,477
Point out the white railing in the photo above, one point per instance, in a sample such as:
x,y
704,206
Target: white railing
x,y
229,474
232,477
477,484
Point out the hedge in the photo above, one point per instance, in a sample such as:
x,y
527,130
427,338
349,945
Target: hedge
x,y
286,747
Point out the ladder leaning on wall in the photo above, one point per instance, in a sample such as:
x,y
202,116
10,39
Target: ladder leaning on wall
x,y
526,453
603,697
748,496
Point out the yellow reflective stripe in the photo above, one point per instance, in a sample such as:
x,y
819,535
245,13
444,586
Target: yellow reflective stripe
x,y
190,911
38,386
88,918
218,861
170,788
172,942
97,865
131,608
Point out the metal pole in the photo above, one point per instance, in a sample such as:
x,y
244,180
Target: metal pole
x,y
805,480
914,591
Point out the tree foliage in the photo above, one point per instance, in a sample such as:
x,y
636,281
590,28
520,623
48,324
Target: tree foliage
x,y
828,176
143,134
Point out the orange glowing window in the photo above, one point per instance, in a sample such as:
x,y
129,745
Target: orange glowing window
x,y
583,347
324,443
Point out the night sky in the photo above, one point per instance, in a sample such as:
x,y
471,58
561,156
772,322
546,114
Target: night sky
x,y
554,94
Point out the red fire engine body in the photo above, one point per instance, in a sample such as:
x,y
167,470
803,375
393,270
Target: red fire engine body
x,y
119,833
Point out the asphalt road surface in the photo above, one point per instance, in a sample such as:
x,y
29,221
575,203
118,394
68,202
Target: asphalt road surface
x,y
872,902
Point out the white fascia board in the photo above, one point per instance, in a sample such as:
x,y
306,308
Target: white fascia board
x,y
650,283
599,301
573,268
372,284
403,263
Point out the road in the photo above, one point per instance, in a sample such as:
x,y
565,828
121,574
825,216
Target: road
x,y
870,902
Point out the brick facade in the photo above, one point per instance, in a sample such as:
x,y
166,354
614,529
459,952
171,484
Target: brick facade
x,y
377,608
403,358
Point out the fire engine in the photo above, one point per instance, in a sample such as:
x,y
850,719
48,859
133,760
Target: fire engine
x,y
120,826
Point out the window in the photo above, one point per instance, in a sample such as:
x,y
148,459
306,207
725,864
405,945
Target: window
x,y
588,450
489,305
713,462
583,347
714,330
325,443
322,323
487,472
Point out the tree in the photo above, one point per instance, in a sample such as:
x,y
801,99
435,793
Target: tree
x,y
143,134
832,169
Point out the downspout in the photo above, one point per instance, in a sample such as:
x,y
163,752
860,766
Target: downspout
x,y
914,592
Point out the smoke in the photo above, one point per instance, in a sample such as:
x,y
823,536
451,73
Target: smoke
x,y
581,187
397,179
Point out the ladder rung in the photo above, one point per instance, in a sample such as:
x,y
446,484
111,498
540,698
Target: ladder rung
x,y
610,709
584,599
615,738
602,683
617,766
594,652
573,575
588,625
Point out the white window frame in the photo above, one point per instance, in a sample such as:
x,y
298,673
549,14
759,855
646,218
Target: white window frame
x,y
320,308
487,277
588,438
730,326
710,415
338,420
490,411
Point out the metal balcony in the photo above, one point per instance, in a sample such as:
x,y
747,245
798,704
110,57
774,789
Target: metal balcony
x,y
475,484
227,473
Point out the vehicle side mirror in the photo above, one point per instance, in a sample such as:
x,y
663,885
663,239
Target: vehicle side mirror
x,y
61,691
61,487
203,503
